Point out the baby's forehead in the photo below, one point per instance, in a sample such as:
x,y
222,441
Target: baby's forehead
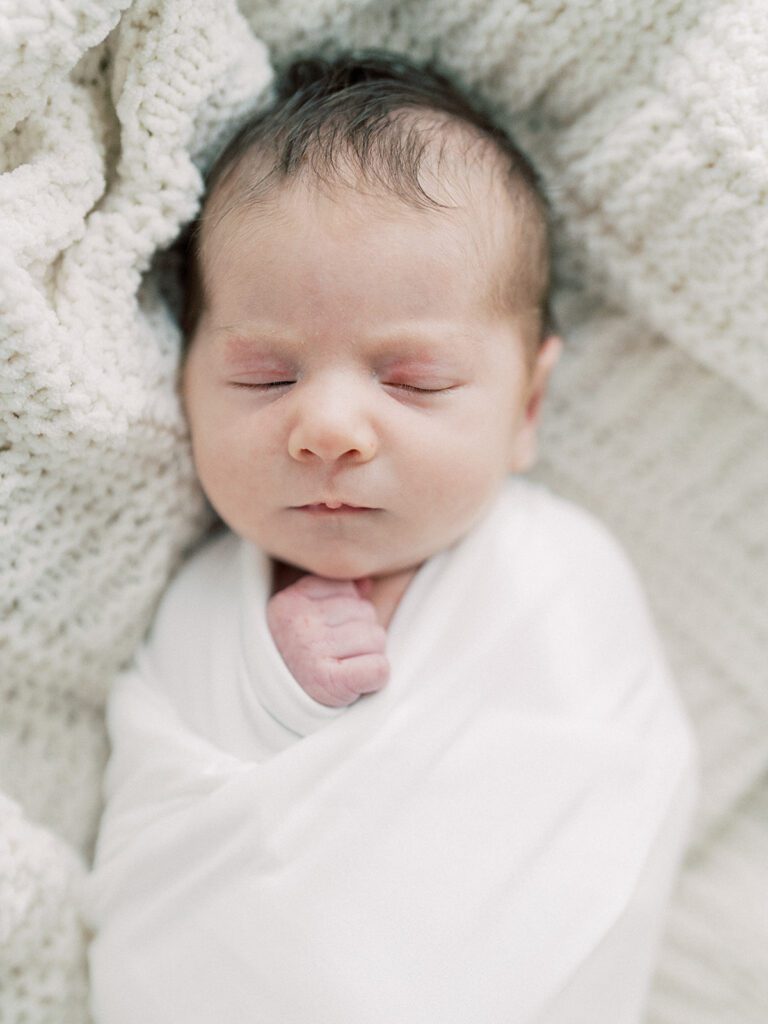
x,y
475,232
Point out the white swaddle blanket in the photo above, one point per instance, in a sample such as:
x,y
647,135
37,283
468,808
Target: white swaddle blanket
x,y
489,839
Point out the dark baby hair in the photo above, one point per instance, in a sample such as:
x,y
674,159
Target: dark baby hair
x,y
359,107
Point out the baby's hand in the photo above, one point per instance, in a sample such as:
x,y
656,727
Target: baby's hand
x,y
330,639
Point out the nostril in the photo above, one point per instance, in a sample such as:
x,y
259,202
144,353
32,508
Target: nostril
x,y
330,446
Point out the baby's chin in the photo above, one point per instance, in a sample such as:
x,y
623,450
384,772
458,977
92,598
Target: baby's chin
x,y
339,565
341,569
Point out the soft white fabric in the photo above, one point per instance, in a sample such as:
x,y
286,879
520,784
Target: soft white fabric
x,y
647,119
491,838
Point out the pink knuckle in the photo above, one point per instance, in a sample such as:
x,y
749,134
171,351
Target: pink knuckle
x,y
376,673
382,667
379,638
286,605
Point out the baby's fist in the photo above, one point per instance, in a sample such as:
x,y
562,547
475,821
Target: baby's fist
x,y
330,639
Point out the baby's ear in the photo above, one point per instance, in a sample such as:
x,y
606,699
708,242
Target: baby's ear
x,y
524,447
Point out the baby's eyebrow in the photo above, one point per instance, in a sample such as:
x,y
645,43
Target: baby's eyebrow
x,y
422,346
245,342
250,331
425,344
416,360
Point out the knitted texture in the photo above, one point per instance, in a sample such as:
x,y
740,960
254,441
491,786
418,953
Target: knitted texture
x,y
647,121
98,492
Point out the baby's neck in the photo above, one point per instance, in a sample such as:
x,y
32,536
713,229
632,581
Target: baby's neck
x,y
385,592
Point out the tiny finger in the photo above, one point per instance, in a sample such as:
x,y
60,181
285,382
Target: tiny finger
x,y
337,611
353,638
363,673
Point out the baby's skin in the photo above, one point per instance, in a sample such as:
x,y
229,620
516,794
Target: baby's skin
x,y
329,636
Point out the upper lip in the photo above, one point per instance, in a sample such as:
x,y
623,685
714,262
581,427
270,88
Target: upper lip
x,y
332,503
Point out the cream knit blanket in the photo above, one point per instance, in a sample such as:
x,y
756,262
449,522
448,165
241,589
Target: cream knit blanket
x,y
648,121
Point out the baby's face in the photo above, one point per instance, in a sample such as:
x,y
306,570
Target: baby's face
x,y
354,398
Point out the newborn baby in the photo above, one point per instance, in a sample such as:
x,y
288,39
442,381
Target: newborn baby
x,y
402,745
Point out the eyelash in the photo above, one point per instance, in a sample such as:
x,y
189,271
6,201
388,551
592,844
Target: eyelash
x,y
268,386
418,391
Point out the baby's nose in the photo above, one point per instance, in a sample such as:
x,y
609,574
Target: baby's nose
x,y
331,427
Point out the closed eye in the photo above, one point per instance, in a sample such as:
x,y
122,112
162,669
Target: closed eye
x,y
266,386
420,391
